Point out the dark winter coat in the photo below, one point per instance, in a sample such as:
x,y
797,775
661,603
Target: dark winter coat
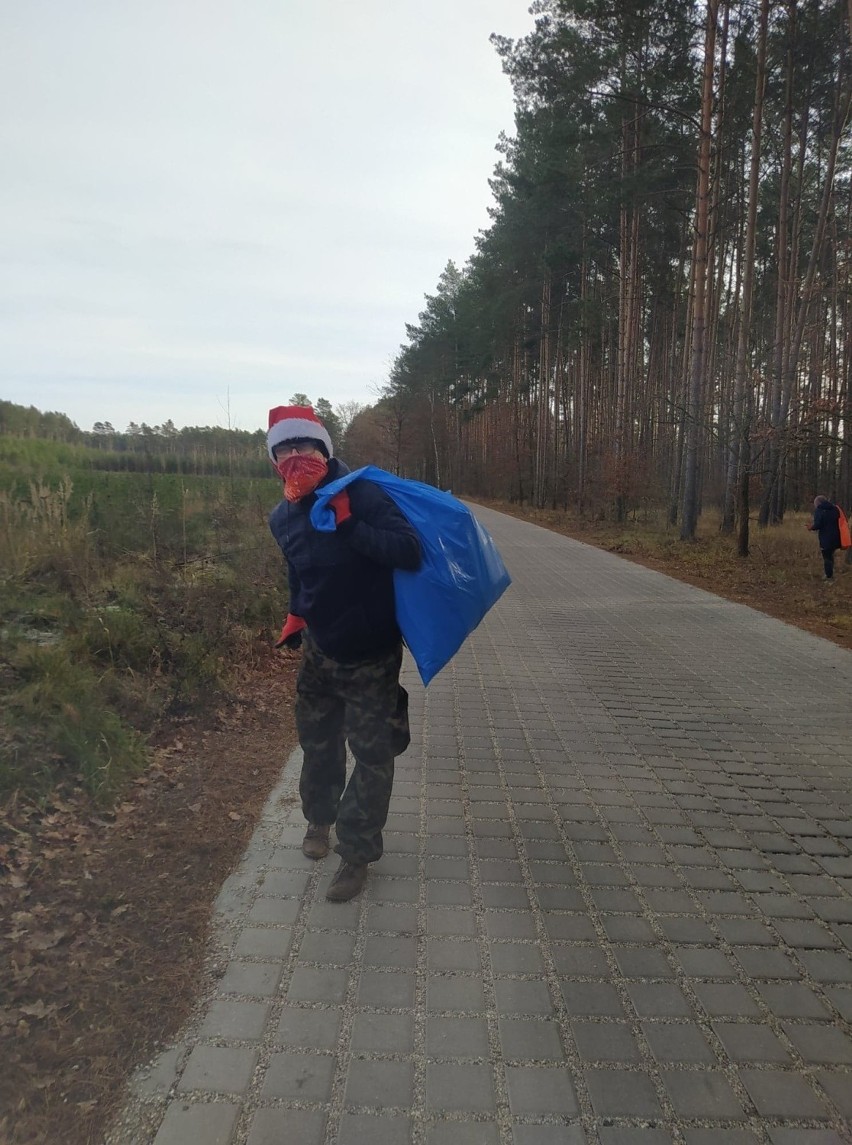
x,y
827,524
341,583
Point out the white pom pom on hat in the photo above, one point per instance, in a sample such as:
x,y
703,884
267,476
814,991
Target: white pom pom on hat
x,y
292,423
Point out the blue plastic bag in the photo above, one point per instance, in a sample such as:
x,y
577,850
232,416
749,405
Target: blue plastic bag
x,y
462,574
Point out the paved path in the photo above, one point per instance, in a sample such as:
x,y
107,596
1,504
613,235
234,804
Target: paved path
x,y
615,905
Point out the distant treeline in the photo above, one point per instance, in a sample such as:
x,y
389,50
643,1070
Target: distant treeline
x,y
202,450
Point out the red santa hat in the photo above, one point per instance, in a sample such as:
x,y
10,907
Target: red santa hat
x,y
296,423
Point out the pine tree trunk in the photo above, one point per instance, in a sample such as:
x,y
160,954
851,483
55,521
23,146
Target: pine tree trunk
x,y
742,380
689,517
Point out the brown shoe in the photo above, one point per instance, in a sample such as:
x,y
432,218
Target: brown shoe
x,y
348,881
315,842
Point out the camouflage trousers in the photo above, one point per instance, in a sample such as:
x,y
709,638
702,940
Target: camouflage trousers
x,y
364,703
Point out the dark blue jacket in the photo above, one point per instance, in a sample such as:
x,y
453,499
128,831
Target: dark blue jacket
x,y
827,524
341,583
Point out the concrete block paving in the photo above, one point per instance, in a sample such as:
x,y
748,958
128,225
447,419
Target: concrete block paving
x,y
615,906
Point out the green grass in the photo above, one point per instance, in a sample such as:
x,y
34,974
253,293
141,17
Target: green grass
x,y
123,597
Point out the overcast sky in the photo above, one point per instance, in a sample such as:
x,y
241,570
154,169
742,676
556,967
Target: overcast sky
x,y
208,205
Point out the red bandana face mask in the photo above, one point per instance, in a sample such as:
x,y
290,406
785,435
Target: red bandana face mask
x,y
301,473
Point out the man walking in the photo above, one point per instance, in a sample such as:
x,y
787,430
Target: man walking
x,y
342,613
826,524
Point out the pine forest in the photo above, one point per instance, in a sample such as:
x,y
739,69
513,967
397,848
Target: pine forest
x,y
658,315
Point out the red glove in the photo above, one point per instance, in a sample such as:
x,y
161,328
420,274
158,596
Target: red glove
x,y
291,633
342,508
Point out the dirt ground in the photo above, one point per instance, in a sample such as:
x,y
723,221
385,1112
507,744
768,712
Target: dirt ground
x,y
105,916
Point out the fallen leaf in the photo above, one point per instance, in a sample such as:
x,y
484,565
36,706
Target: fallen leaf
x,y
45,941
37,1010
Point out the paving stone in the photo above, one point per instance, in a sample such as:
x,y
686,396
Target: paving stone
x,y
841,999
262,942
820,1044
391,919
762,963
512,896
197,1124
624,1135
792,1000
446,867
782,906
251,979
377,1130
311,984
515,958
725,999
272,1126
379,1083
460,1037
458,1086
745,932
531,1040
573,927
580,961
509,924
162,1074
299,1077
622,1093
455,992
314,1028
627,929
546,1135
442,921
701,962
238,1021
806,1137
592,999
828,966
678,1042
540,1090
605,1042
387,989
284,883
327,946
616,901
727,1136
805,935
642,962
215,1069
519,997
686,930
391,951
383,1033
453,954
463,1133
749,1042
702,1094
836,1085
559,899
777,1093
658,1000
274,910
